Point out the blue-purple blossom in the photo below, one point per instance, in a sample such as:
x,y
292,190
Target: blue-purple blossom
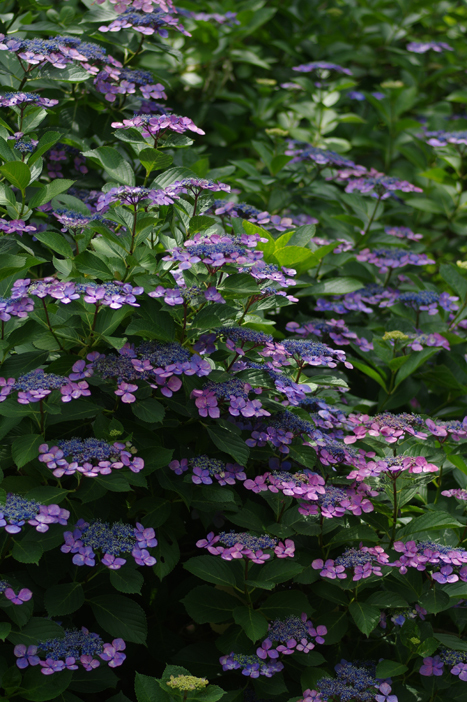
x,y
323,157
158,126
233,545
147,23
24,595
358,301
112,81
373,182
90,457
355,681
15,99
447,564
251,666
234,393
361,563
113,540
386,259
17,511
133,196
390,426
291,634
205,470
421,47
59,52
252,214
321,66
336,329
36,385
403,233
75,648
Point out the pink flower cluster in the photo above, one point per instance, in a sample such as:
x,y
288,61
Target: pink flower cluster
x,y
363,562
393,466
426,554
390,427
231,546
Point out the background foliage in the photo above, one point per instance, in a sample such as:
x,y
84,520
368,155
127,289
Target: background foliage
x,y
383,256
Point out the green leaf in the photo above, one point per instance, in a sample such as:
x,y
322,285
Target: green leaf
x,y
17,173
212,569
365,616
206,604
278,571
40,688
46,142
26,551
337,286
201,222
427,522
121,617
389,669
154,160
282,604
454,279
37,629
56,242
253,623
298,257
149,410
93,265
49,191
147,689
161,327
5,629
230,443
451,641
113,163
416,360
371,372
25,448
278,163
127,580
63,599
435,600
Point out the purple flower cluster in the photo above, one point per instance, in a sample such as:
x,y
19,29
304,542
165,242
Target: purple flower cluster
x,y
374,182
443,138
195,186
425,301
113,295
323,157
446,563
393,466
390,427
362,562
336,329
386,259
60,154
403,233
421,47
158,126
234,392
251,666
205,470
458,493
358,301
146,23
18,511
456,660
16,226
90,457
17,307
321,66
36,385
332,451
338,500
233,545
353,682
140,5
280,431
443,429
158,363
110,539
24,595
252,214
417,342
216,251
133,196
194,295
305,485
75,221
59,52
229,18
19,99
292,634
68,652
304,353
113,81
399,619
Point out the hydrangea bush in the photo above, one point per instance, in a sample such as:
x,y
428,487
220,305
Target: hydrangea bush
x,y
233,347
